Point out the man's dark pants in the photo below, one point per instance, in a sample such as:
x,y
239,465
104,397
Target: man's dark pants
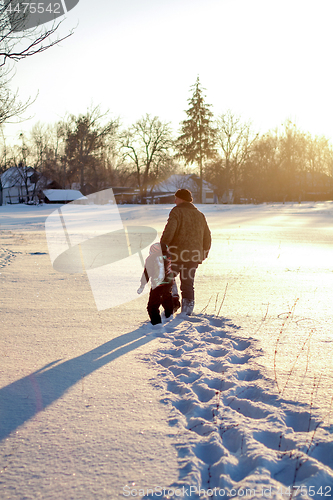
x,y
160,296
186,271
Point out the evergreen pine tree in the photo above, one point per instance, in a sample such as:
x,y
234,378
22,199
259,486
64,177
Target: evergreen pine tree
x,y
198,136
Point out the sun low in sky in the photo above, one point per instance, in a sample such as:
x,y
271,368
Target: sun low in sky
x,y
266,61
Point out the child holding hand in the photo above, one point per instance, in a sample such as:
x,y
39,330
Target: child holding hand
x,y
158,270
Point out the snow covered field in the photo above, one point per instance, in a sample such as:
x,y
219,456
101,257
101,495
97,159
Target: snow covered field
x,y
234,402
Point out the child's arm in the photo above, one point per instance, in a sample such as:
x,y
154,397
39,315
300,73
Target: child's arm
x,y
144,281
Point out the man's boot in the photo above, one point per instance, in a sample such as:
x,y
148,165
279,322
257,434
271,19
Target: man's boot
x,y
187,306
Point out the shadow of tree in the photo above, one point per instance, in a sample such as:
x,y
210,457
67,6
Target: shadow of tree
x,y
24,398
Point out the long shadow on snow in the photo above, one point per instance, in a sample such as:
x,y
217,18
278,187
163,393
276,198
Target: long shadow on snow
x,y
23,399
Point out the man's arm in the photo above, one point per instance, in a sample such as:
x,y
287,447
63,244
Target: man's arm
x,y
207,240
169,230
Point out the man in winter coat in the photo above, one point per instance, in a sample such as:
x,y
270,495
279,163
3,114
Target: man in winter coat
x,y
188,239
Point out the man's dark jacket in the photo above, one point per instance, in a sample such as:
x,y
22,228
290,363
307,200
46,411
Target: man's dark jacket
x,y
187,234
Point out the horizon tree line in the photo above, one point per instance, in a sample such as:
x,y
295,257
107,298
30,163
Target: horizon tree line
x,y
93,150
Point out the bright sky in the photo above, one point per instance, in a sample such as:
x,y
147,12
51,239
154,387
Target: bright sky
x,y
266,60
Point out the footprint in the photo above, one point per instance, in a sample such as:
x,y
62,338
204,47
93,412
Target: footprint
x,y
249,375
210,452
180,336
189,362
218,384
237,360
204,329
200,426
6,257
203,392
306,469
241,345
190,378
218,367
323,452
193,319
190,346
213,340
258,394
178,387
232,439
178,343
239,470
216,353
169,329
166,362
301,421
217,322
180,370
248,409
218,333
176,353
186,406
275,440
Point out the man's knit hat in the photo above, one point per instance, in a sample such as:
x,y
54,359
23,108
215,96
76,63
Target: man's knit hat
x,y
184,194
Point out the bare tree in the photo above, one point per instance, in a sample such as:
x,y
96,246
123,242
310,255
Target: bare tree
x,y
262,172
147,145
235,139
20,36
288,164
86,138
293,152
47,152
319,155
39,139
10,105
3,161
306,160
22,172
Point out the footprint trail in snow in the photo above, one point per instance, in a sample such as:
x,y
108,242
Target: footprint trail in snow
x,y
6,257
238,437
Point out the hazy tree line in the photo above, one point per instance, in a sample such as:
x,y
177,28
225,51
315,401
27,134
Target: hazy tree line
x,y
283,164
93,151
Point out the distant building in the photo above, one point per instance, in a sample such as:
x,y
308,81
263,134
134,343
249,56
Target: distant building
x,y
315,186
228,197
125,194
60,195
164,192
19,185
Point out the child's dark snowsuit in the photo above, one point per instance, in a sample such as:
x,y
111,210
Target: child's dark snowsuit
x,y
160,296
158,269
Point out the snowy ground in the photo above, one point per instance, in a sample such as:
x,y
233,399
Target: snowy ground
x,y
235,401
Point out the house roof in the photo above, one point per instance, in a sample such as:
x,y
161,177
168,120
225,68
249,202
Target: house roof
x,y
62,194
15,176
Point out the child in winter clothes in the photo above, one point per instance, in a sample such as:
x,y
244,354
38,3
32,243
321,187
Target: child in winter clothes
x,y
158,269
